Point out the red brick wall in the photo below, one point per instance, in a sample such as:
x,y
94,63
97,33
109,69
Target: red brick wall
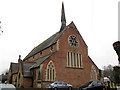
x,y
44,52
36,79
27,82
19,77
14,77
74,76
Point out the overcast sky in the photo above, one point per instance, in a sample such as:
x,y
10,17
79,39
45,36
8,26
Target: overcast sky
x,y
27,23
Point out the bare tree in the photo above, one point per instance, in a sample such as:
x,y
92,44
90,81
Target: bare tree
x,y
5,71
108,72
0,29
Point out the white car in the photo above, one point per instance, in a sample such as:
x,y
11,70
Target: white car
x,y
7,87
58,84
118,88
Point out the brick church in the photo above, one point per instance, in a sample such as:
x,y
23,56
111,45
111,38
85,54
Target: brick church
x,y
62,57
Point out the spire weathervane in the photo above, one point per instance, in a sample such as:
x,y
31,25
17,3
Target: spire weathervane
x,y
63,19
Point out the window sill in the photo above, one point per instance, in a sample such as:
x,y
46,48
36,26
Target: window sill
x,y
75,67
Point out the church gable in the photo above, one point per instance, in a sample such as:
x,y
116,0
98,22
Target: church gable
x,y
72,40
74,28
62,57
72,47
12,71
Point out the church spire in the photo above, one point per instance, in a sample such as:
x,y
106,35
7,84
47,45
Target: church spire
x,y
63,19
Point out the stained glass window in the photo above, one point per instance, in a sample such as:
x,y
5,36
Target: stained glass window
x,y
73,41
93,73
50,71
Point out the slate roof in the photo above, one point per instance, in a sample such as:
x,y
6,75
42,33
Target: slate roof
x,y
47,43
14,67
53,39
26,69
41,60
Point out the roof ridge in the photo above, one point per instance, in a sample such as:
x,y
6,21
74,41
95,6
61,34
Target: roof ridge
x,y
93,62
45,44
41,60
46,55
14,63
28,62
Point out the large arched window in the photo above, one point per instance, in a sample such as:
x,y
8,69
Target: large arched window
x,y
50,71
93,73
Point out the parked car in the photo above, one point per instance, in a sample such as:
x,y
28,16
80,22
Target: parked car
x,y
93,85
58,85
7,87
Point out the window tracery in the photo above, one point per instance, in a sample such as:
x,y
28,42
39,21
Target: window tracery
x,y
93,73
73,41
50,71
